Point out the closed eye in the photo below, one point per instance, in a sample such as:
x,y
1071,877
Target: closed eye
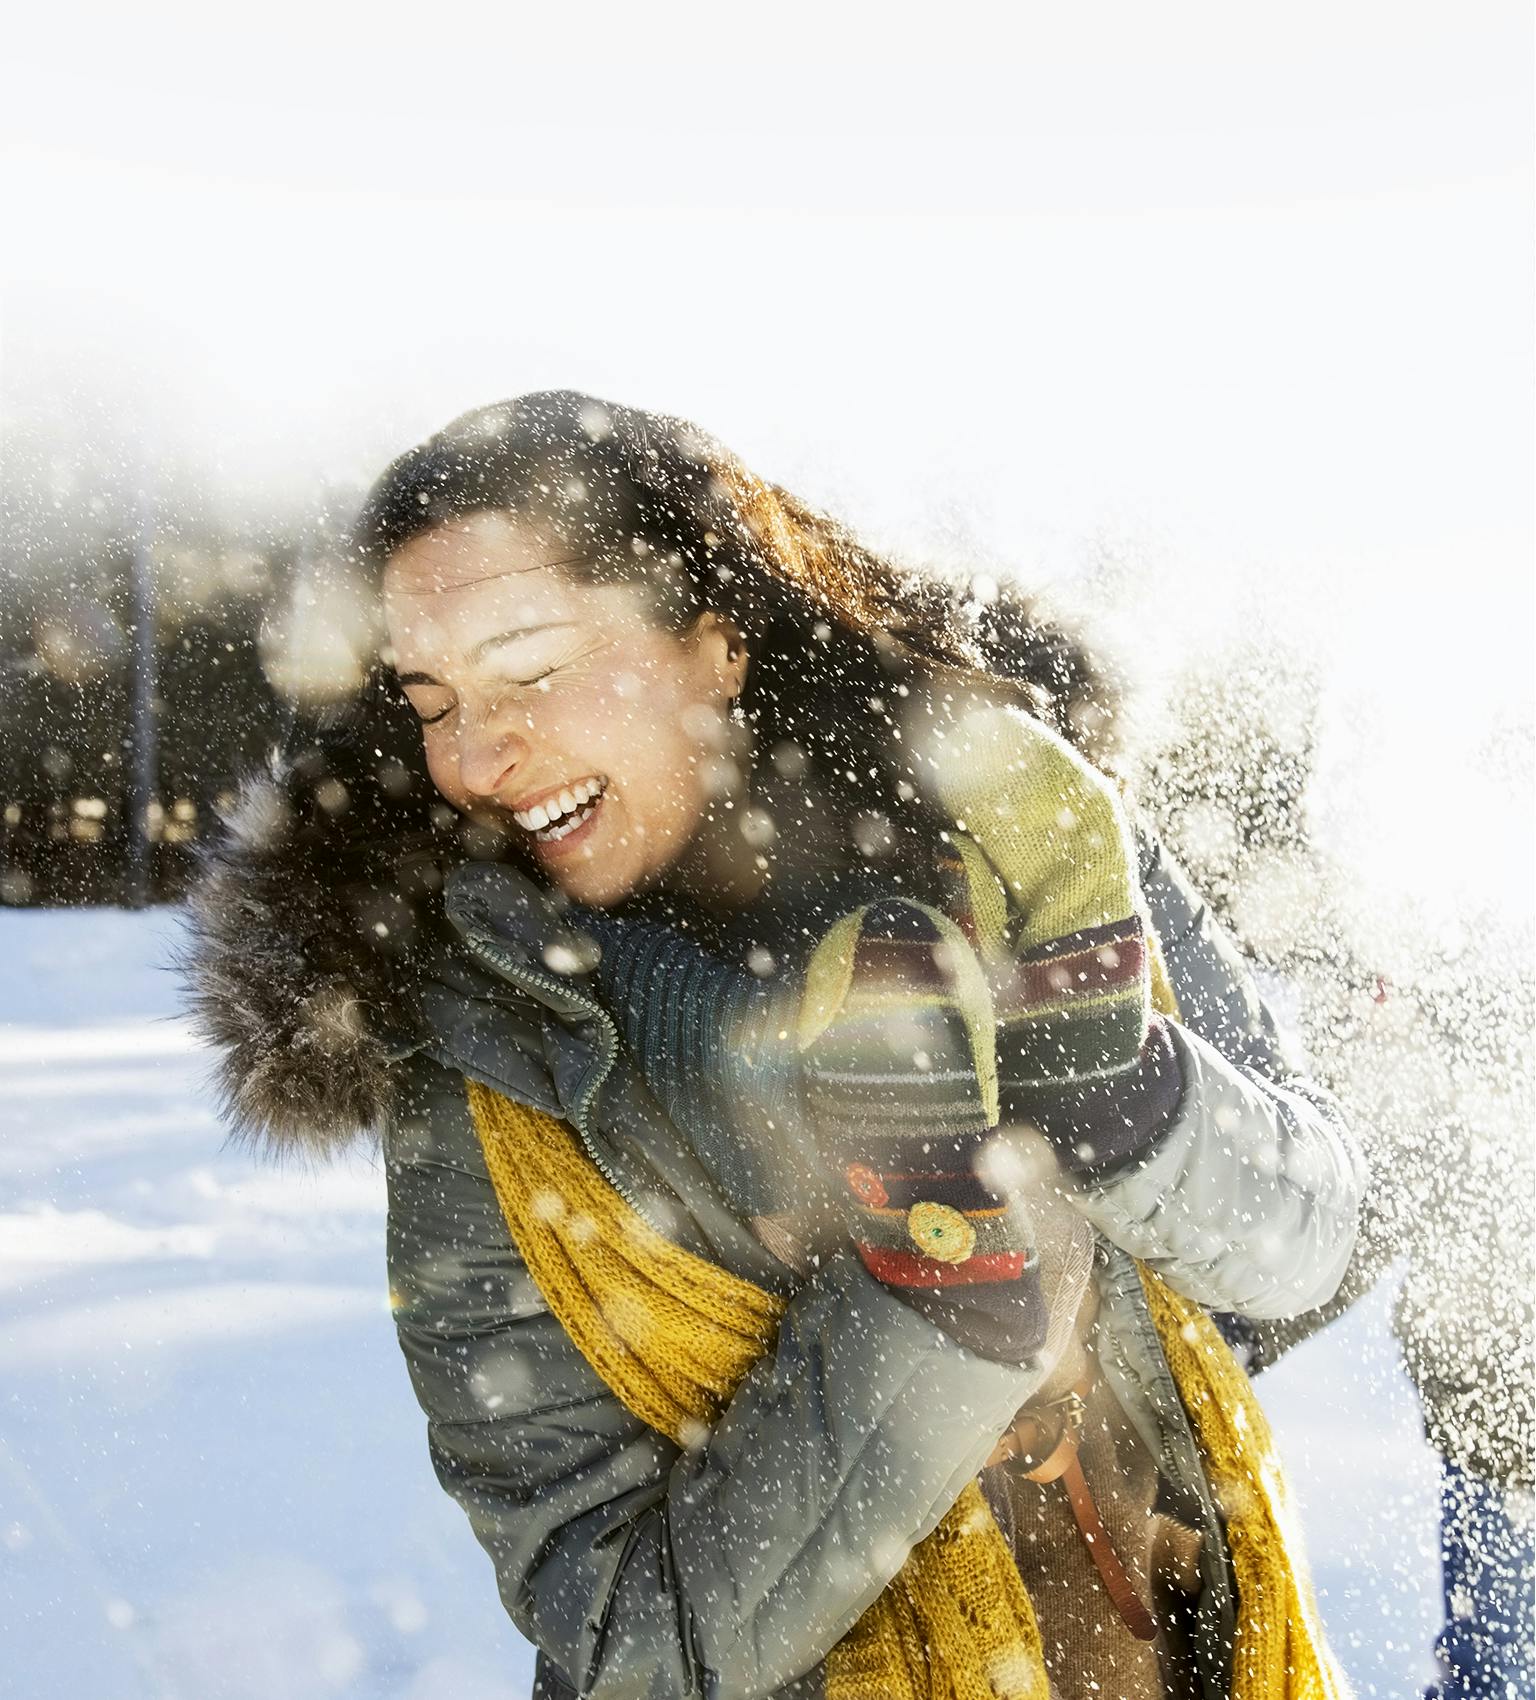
x,y
403,698
443,713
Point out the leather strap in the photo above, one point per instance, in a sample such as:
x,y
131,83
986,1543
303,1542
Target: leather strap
x,y
1063,1464
1122,1590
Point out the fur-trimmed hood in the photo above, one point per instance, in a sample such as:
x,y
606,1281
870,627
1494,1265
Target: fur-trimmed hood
x,y
288,979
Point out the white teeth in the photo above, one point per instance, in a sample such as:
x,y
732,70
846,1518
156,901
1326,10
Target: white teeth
x,y
563,803
565,827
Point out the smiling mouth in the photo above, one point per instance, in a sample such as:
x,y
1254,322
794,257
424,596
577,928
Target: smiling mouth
x,y
559,816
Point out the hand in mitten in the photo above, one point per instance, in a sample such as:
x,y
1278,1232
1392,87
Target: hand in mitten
x,y
1079,1052
895,1032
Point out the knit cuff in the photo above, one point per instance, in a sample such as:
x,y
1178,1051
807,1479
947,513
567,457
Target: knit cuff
x,y
1100,1125
712,1041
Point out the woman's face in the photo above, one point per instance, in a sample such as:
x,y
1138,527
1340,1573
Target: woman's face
x,y
558,709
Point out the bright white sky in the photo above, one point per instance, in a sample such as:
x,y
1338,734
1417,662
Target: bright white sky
x,y
1244,292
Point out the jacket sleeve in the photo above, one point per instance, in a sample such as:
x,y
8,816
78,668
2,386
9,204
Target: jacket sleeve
x,y
1249,1200
643,1570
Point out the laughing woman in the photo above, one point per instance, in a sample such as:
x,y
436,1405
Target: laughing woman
x,y
818,1116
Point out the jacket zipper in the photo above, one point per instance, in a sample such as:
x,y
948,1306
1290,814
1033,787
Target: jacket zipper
x,y
530,980
1216,1609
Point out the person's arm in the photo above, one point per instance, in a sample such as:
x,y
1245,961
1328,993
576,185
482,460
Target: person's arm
x,y
1248,1199
1196,1143
1205,1151
642,1570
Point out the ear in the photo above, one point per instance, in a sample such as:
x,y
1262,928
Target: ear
x,y
722,650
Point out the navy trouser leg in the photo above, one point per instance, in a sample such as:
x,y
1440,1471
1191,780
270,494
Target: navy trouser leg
x,y
1486,1651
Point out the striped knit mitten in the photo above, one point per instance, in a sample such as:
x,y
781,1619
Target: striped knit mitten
x,y
1079,1052
896,1041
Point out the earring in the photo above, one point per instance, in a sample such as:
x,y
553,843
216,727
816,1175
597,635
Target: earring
x,y
738,713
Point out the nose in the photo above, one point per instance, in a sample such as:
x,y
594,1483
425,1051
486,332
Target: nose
x,y
491,755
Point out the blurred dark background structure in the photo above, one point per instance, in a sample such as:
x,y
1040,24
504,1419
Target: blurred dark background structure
x,y
136,665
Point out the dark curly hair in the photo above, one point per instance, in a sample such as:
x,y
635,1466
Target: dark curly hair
x,y
835,630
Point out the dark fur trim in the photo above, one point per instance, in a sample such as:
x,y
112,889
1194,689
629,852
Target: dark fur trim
x,y
293,961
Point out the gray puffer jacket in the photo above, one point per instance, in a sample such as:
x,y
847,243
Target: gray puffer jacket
x,y
640,1570
728,1570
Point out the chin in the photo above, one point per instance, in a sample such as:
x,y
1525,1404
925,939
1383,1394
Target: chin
x,y
596,886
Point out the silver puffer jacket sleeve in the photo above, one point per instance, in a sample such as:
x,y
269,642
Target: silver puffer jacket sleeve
x,y
1250,1199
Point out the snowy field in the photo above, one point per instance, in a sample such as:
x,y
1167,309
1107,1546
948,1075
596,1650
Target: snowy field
x,y
214,1481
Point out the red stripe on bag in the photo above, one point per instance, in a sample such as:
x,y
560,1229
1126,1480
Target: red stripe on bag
x,y
910,1269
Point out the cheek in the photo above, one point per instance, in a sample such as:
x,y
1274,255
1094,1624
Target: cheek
x,y
628,726
625,710
677,769
443,767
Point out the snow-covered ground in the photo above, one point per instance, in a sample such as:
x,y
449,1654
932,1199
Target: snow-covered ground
x,y
214,1481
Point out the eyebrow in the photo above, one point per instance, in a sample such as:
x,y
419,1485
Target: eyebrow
x,y
479,651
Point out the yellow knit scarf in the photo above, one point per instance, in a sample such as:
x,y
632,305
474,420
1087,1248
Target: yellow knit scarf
x,y
672,1334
